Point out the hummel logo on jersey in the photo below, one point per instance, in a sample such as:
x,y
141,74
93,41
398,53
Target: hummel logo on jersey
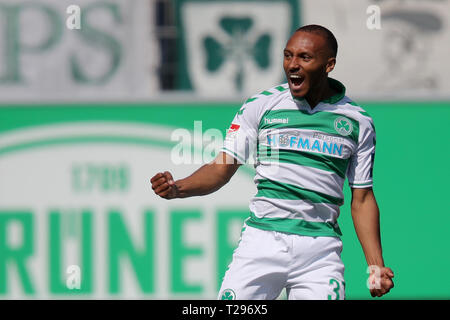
x,y
276,120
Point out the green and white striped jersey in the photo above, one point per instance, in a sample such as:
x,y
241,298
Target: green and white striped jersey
x,y
302,157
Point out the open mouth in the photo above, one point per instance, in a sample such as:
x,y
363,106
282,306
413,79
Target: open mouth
x,y
296,80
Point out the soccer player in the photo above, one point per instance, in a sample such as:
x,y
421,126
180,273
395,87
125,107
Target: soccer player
x,y
307,136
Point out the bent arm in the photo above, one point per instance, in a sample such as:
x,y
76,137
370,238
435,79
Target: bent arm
x,y
207,179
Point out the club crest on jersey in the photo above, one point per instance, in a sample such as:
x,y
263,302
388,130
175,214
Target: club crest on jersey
x,y
343,126
228,294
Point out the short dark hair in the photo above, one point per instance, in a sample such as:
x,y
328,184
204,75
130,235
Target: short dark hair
x,y
327,34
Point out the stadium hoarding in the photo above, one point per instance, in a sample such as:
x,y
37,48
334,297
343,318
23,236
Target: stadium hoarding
x,y
388,49
84,50
235,49
78,218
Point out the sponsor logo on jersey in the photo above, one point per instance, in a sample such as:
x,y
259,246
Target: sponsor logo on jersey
x,y
343,126
308,144
283,140
328,138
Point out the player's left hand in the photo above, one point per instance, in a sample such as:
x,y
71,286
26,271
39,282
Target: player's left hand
x,y
380,281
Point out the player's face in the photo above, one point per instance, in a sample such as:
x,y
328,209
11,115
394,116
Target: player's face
x,y
307,62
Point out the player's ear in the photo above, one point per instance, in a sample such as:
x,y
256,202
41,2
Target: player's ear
x,y
330,64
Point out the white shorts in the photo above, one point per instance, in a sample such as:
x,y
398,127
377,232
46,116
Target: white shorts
x,y
266,262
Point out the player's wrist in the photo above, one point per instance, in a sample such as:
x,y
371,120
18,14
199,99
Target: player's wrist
x,y
375,265
374,257
178,190
375,262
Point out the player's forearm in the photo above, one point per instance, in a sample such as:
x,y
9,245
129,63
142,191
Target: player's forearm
x,y
208,178
365,214
201,182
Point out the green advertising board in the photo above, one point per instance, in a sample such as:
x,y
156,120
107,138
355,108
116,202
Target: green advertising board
x,y
78,216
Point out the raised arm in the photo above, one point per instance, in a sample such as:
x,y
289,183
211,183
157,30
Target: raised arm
x,y
207,179
365,215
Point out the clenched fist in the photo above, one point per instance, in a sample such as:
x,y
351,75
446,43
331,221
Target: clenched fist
x,y
164,185
380,281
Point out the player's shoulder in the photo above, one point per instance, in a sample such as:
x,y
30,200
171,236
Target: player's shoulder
x,y
266,98
257,105
354,110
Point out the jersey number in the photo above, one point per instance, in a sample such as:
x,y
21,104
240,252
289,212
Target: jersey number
x,y
336,286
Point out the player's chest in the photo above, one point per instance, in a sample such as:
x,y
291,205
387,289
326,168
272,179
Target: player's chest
x,y
325,133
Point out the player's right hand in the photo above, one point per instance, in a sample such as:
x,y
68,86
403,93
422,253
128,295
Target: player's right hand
x,y
164,185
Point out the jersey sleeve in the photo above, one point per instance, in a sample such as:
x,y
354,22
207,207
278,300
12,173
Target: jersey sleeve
x,y
241,137
360,170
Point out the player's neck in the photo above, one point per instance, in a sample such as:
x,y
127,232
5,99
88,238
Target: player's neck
x,y
321,92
